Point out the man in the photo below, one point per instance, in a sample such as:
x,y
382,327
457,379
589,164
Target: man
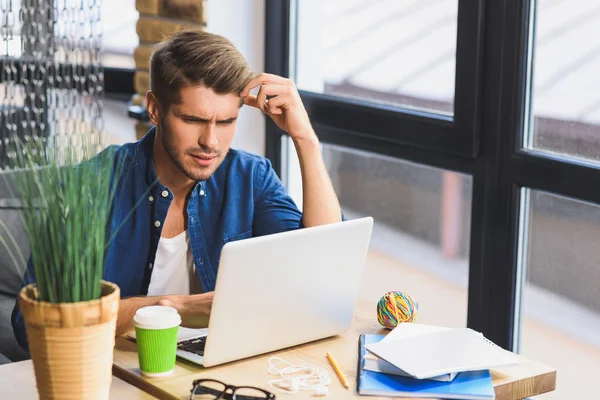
x,y
196,193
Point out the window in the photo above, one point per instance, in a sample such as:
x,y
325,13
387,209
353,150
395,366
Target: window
x,y
566,83
560,307
523,124
420,240
397,52
557,303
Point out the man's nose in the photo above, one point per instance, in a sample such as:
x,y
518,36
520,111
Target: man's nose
x,y
208,138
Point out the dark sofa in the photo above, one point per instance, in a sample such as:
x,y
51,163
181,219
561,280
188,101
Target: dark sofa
x,y
10,274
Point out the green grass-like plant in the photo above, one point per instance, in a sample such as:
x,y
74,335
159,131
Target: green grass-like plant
x,y
66,190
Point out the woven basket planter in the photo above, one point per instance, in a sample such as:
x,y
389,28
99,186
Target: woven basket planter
x,y
72,344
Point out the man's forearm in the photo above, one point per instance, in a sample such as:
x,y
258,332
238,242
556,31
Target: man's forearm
x,y
320,203
128,308
193,309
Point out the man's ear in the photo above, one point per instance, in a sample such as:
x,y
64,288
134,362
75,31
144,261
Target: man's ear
x,y
153,106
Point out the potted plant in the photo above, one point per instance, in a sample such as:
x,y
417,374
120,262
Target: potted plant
x,y
66,192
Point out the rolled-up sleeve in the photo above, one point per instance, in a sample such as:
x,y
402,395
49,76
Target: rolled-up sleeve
x,y
274,210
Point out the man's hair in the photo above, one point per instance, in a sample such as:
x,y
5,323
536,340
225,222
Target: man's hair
x,y
195,58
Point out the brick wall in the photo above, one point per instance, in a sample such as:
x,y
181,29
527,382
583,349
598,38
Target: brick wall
x,y
158,19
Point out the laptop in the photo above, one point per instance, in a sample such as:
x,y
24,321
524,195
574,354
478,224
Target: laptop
x,y
281,290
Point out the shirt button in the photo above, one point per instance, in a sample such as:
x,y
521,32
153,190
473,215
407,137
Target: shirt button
x,y
150,266
157,224
165,193
201,260
151,199
202,192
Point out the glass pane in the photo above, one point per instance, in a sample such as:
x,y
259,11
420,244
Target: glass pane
x,y
560,306
420,241
566,83
390,51
119,18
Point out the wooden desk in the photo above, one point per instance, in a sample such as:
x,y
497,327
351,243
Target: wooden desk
x,y
17,381
527,379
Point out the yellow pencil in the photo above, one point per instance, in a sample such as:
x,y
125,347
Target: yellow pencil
x,y
338,371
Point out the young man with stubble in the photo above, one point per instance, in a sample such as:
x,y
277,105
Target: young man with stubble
x,y
198,192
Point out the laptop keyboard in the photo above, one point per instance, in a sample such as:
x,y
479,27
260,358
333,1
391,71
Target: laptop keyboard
x,y
195,345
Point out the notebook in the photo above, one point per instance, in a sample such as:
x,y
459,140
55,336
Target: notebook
x,y
474,385
444,352
403,331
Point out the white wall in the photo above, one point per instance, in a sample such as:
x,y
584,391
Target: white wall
x,y
243,22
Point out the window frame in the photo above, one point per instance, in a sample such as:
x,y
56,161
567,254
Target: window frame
x,y
451,135
483,140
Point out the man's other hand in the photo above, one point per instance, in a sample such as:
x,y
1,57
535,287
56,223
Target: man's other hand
x,y
193,309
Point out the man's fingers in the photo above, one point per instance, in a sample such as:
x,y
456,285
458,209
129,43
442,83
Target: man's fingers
x,y
254,101
272,91
261,98
277,104
251,101
270,106
264,79
269,99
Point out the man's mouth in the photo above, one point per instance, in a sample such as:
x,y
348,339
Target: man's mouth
x,y
203,159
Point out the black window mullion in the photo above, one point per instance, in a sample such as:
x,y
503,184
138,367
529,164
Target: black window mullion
x,y
387,123
496,198
356,141
469,64
277,50
550,173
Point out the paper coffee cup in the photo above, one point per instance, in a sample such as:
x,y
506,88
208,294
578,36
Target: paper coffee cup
x,y
156,330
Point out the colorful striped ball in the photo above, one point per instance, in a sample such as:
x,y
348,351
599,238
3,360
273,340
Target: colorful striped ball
x,y
396,307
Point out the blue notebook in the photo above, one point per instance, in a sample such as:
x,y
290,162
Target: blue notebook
x,y
473,385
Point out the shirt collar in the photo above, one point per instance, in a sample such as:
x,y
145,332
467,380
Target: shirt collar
x,y
145,160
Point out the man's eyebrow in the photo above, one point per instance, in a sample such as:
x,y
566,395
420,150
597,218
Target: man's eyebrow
x,y
195,118
228,120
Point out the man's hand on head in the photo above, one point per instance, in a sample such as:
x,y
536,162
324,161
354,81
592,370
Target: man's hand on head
x,y
280,100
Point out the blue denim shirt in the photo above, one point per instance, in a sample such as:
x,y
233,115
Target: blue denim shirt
x,y
242,199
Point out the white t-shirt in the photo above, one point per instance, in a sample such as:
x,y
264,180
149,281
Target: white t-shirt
x,y
174,271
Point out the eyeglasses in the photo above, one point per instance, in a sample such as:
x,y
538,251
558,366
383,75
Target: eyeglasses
x,y
210,389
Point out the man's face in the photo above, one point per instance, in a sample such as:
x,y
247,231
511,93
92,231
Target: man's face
x,y
197,132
